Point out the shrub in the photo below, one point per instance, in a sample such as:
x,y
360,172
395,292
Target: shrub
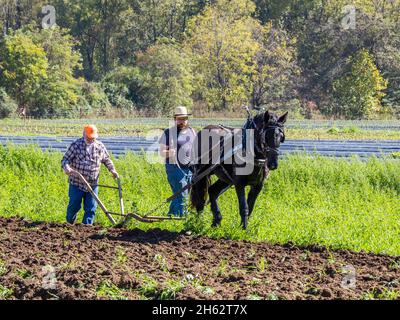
x,y
122,87
92,99
7,105
166,77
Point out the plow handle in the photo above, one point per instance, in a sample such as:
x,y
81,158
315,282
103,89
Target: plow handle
x,y
121,200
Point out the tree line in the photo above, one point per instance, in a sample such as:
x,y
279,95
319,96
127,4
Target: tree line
x,y
315,58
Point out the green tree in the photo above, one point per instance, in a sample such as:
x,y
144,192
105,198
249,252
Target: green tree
x,y
267,10
223,49
15,14
274,80
64,60
360,91
23,65
96,24
58,94
147,21
166,77
39,67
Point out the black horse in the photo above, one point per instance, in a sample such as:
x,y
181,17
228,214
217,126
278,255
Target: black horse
x,y
268,134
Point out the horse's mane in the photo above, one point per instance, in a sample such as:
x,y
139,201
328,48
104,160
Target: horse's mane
x,y
259,120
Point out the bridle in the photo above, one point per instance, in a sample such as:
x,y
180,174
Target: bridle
x,y
265,148
261,146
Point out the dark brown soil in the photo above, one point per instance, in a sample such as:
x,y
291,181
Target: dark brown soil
x,y
94,263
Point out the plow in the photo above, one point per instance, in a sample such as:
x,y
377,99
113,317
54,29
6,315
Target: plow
x,y
147,217
126,217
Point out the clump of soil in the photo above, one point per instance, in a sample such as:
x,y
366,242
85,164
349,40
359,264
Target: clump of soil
x,y
57,261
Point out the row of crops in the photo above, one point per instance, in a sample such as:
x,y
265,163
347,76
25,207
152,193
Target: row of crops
x,y
315,130
121,145
309,124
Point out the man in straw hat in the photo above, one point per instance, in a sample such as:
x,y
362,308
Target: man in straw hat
x,y
85,155
176,147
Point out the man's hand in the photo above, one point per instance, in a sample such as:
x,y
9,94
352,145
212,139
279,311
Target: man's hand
x,y
171,153
68,170
166,152
115,174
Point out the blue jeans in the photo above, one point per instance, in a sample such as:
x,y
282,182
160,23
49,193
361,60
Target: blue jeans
x,y
76,196
178,178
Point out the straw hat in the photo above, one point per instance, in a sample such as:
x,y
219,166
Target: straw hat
x,y
181,112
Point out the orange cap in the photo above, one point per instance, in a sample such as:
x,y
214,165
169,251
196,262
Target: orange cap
x,y
91,131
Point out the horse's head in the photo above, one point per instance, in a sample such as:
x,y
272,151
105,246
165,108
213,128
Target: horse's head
x,y
270,132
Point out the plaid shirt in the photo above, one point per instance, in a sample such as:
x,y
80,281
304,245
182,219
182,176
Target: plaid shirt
x,y
86,159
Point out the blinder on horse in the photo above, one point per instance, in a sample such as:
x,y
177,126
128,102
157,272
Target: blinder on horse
x,y
277,129
261,146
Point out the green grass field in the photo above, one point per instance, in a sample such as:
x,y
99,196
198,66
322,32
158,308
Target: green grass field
x,y
340,203
341,130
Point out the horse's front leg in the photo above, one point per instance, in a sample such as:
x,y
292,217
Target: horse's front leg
x,y
244,210
252,197
214,192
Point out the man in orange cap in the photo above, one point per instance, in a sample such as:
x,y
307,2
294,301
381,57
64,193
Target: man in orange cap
x,y
85,155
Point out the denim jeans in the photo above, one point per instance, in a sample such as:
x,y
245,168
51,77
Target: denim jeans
x,y
76,196
178,178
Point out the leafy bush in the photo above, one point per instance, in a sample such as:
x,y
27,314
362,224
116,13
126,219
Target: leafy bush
x,y
166,78
122,87
7,105
55,98
92,99
160,81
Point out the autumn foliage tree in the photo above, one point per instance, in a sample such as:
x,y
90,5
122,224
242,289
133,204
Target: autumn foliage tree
x,y
360,91
223,50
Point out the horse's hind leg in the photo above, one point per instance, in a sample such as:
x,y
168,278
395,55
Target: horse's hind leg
x,y
252,197
244,210
214,192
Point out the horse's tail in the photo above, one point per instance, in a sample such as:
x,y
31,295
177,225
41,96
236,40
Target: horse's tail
x,y
199,193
